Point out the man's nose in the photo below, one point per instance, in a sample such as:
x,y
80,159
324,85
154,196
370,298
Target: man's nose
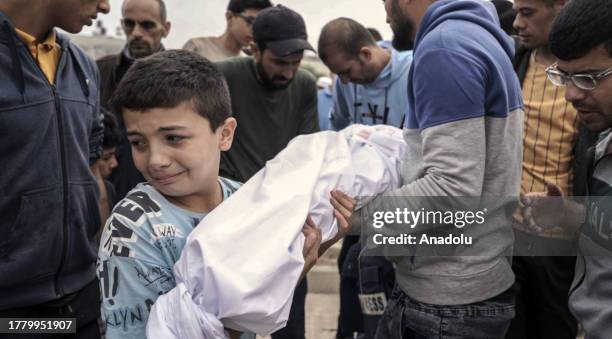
x,y
573,94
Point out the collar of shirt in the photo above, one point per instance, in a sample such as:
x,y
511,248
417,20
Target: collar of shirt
x,y
46,53
49,44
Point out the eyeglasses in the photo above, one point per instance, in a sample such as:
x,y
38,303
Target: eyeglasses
x,y
586,82
146,25
248,19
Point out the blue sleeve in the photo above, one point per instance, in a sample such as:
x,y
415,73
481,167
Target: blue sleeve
x,y
131,277
447,86
340,115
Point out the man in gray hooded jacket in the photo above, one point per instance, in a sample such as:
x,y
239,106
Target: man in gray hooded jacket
x,y
463,135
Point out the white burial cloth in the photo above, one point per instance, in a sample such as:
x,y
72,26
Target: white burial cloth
x,y
242,262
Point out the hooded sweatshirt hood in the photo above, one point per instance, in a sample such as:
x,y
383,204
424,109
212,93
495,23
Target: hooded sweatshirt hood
x,y
382,101
461,41
464,131
481,13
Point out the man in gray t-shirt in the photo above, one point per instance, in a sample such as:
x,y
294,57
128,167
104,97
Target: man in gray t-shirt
x,y
238,33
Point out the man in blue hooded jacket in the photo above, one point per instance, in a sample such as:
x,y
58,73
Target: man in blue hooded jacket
x,y
372,77
463,135
50,133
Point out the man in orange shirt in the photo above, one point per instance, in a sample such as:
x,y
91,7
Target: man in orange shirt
x,y
50,133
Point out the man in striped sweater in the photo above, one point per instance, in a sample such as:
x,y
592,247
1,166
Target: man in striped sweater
x,y
554,146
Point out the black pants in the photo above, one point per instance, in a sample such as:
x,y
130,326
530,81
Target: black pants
x,y
541,303
296,324
83,305
350,319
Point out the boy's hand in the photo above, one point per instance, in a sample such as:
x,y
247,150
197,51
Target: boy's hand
x,y
312,243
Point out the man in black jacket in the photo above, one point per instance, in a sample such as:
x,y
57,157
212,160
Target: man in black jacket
x,y
50,133
555,145
145,24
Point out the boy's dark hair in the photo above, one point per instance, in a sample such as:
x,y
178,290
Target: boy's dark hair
x,y
581,26
239,6
170,78
112,133
344,35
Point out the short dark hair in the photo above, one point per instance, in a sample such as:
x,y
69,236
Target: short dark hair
x,y
239,6
581,26
112,133
346,35
170,78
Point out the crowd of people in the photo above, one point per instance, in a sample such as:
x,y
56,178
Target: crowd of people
x,y
111,164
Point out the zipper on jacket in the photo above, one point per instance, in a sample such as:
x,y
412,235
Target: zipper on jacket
x,y
59,292
60,124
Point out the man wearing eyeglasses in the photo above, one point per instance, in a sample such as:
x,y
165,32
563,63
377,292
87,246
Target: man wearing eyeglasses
x,y
238,33
554,147
581,40
145,24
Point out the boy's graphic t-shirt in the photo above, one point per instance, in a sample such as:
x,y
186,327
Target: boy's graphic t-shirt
x,y
140,243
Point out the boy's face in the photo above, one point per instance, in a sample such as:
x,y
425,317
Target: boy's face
x,y
107,162
176,150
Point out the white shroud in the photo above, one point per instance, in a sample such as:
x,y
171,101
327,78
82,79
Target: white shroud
x,y
241,264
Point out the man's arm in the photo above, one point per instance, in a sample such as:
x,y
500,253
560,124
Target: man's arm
x,y
449,100
310,115
340,115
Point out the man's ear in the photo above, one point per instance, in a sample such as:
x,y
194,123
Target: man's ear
x,y
167,25
365,54
229,15
226,133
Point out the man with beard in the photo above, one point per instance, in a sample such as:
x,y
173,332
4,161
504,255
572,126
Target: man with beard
x,y
273,101
50,133
372,77
581,40
145,24
463,132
